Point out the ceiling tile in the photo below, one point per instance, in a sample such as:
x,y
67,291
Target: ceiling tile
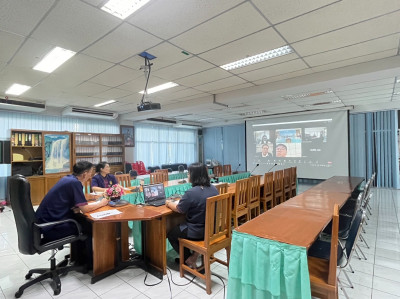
x,y
203,77
30,53
139,83
366,89
20,17
74,25
116,76
122,43
382,26
182,69
183,14
21,75
9,44
250,45
274,70
231,88
364,84
231,25
332,17
219,84
284,76
88,89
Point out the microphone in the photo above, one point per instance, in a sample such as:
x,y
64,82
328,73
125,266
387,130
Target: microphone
x,y
251,172
272,167
237,168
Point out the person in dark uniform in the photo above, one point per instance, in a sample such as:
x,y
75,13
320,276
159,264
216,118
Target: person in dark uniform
x,y
62,201
193,205
103,179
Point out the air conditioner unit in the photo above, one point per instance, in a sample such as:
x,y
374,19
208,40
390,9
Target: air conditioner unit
x,y
85,112
22,106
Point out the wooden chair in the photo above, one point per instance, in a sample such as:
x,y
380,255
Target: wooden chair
x,y
217,170
278,187
87,186
323,272
287,187
162,170
217,235
268,191
124,179
240,203
253,196
222,188
293,180
158,177
227,169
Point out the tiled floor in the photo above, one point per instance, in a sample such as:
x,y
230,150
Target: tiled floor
x,y
376,277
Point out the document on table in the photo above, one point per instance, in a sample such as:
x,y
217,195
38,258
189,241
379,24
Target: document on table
x,y
103,214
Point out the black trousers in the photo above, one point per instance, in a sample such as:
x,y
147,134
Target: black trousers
x,y
173,237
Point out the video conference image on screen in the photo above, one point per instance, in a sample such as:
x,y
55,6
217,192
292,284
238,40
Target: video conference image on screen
x,y
316,143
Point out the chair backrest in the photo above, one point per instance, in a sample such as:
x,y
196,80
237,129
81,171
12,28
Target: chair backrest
x,y
218,219
241,194
124,180
141,169
217,170
268,185
118,172
293,176
334,246
227,169
278,181
158,177
87,186
355,230
253,189
222,188
286,178
24,215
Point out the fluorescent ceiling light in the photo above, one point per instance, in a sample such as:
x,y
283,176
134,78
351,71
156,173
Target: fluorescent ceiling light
x,y
307,94
105,103
17,89
257,58
160,87
54,59
123,8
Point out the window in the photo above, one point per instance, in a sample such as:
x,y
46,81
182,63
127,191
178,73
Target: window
x,y
156,145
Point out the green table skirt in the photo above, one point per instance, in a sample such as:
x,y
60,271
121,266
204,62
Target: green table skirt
x,y
137,198
263,268
234,177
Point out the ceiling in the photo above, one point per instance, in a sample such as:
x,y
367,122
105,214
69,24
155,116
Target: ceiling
x,y
345,55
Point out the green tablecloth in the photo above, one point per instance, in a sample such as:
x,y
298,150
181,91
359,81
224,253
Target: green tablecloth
x,y
137,198
234,177
263,268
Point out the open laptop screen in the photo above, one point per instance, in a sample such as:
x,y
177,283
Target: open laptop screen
x,y
153,192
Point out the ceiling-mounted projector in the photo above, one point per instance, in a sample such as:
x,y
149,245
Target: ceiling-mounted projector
x,y
146,106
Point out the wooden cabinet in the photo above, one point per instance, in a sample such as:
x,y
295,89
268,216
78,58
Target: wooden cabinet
x,y
99,147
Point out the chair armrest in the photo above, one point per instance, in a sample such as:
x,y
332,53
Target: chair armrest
x,y
47,224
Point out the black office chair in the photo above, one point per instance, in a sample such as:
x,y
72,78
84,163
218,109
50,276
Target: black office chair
x,y
30,240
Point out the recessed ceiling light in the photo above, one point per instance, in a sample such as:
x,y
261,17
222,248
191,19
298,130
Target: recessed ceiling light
x,y
258,58
17,89
160,87
54,59
123,8
105,103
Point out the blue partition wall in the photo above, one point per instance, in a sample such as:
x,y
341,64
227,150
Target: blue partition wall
x,y
226,145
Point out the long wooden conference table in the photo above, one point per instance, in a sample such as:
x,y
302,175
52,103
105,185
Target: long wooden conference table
x,y
269,253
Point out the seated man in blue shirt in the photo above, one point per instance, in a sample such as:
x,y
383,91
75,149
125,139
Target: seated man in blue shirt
x,y
103,179
59,204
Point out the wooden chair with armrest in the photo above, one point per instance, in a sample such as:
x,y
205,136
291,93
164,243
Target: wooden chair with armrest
x,y
158,177
227,169
240,208
253,196
323,272
278,187
268,191
124,180
222,188
287,187
293,180
217,170
217,235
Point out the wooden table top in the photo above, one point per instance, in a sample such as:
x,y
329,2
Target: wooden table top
x,y
299,220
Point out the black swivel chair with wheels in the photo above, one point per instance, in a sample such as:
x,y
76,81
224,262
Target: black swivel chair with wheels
x,y
30,240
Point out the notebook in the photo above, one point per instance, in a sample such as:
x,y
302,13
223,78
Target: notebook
x,y
154,195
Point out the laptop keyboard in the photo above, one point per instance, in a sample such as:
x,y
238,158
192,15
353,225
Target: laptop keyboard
x,y
157,203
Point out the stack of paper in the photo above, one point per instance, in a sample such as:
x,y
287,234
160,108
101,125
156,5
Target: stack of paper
x,y
103,214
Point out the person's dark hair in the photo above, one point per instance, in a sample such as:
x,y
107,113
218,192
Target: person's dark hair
x,y
199,175
81,166
100,166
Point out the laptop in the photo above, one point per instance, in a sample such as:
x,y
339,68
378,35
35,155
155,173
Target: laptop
x,y
154,195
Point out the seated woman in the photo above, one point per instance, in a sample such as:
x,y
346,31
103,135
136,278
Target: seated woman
x,y
103,179
193,204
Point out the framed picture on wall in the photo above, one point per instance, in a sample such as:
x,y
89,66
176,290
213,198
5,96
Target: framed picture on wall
x,y
57,149
129,135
